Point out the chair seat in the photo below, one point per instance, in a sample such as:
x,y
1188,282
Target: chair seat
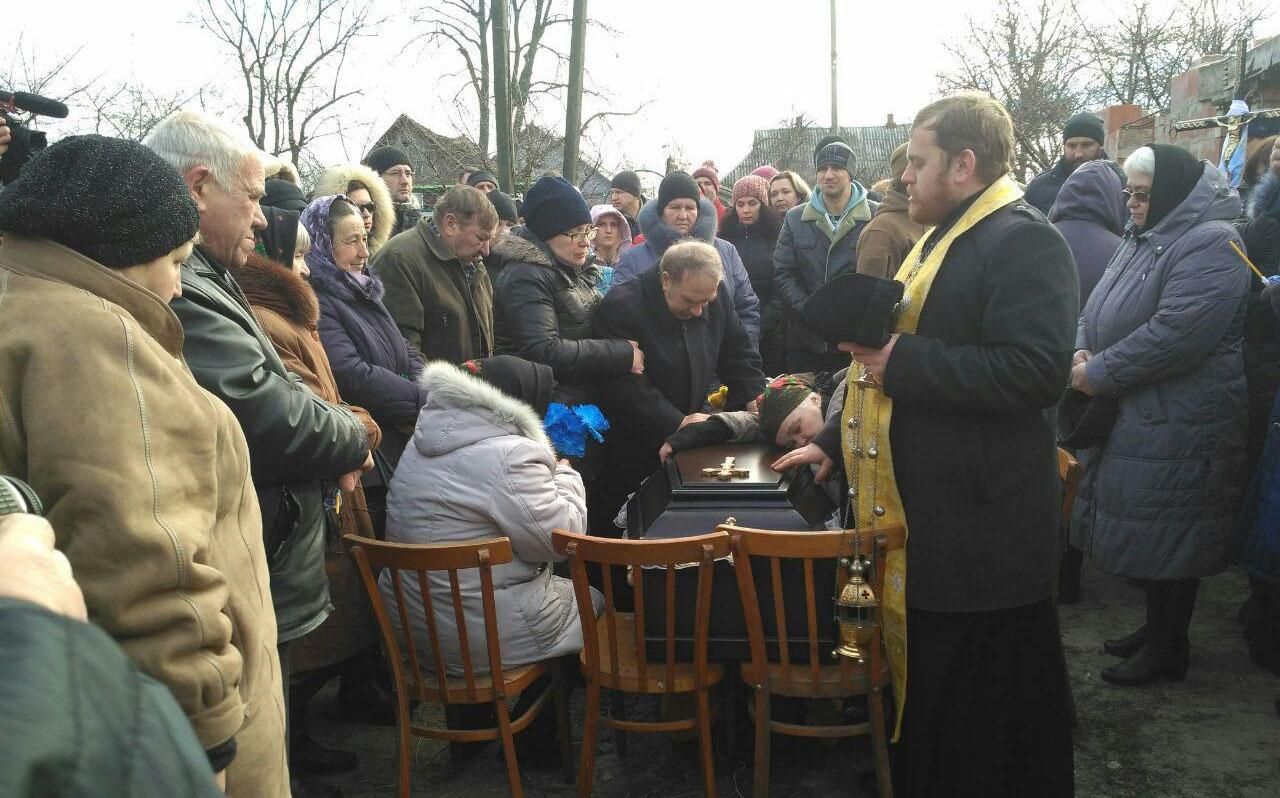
x,y
514,680
626,676
834,681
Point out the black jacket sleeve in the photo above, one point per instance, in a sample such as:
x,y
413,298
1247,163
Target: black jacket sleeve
x,y
787,280
293,435
738,365
526,305
1028,327
632,395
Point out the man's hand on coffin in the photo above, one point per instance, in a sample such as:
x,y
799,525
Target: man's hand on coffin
x,y
664,452
806,455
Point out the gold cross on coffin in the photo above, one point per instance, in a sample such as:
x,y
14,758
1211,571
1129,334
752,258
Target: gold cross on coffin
x,y
726,471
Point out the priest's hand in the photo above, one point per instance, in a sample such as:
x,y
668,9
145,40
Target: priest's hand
x,y
875,360
811,454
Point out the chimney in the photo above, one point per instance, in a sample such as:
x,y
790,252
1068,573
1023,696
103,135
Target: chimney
x,y
889,123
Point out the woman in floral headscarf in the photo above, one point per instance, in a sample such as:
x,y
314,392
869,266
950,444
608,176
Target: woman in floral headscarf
x,y
375,366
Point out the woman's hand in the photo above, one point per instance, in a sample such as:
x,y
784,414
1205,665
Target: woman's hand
x,y
811,454
1081,356
1079,380
637,358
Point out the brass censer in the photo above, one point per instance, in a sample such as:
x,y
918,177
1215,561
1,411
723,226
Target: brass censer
x,y
855,610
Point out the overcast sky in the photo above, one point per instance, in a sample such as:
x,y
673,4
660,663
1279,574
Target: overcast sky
x,y
711,71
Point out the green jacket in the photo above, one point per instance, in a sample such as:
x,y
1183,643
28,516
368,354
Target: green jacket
x,y
296,440
441,305
80,720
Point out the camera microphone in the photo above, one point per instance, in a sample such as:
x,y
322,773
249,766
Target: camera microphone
x,y
17,496
34,104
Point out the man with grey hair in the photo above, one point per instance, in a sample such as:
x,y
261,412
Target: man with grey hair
x,y
301,449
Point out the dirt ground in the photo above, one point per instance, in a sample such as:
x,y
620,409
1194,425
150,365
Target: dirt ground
x,y
1215,734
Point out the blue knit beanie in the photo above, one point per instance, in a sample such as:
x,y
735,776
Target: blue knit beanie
x,y
554,206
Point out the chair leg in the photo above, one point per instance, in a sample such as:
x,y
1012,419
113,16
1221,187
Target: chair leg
x,y
402,732
564,730
508,748
764,740
704,742
590,720
880,742
618,710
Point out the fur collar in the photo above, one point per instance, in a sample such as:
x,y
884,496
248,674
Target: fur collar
x,y
660,235
517,247
449,387
329,280
269,285
1266,197
334,180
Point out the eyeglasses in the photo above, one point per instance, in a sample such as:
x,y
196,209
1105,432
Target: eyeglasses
x,y
367,208
1140,196
586,235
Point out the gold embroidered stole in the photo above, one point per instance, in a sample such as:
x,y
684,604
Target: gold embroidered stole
x,y
868,457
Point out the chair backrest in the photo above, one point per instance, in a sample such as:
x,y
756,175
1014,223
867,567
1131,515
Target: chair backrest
x,y
699,551
807,547
372,556
1069,473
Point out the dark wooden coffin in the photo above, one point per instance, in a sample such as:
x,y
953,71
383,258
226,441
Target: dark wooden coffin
x,y
679,500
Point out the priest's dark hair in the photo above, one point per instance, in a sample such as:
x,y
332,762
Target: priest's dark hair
x,y
975,122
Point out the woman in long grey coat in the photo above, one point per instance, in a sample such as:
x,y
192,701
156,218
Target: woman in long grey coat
x,y
479,465
1162,334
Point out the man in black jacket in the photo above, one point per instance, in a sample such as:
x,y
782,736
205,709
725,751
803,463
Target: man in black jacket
x,y
1082,139
684,321
969,383
301,449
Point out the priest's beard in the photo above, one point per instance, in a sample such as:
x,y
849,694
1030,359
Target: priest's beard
x,y
931,202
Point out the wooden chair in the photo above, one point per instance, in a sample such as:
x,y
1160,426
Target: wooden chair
x,y
613,651
842,679
1069,474
471,687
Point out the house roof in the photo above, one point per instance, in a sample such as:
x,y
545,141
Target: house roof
x,y
791,148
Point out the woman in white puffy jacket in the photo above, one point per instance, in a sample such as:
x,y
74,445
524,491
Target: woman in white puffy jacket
x,y
480,465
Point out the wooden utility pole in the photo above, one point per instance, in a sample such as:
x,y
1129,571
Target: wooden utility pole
x,y
573,111
835,60
502,97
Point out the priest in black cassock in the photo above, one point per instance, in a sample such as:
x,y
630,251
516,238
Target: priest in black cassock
x,y
957,443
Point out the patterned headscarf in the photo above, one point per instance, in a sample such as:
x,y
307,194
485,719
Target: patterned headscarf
x,y
781,396
315,217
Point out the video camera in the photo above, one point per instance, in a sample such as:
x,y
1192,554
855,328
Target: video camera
x,y
24,142
17,496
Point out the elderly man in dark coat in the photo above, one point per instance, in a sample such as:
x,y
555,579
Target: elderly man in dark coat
x,y
1161,338
682,316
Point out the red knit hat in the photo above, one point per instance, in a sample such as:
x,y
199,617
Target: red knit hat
x,y
751,186
708,170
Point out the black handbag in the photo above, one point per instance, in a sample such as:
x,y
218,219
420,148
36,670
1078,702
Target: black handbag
x,y
1085,421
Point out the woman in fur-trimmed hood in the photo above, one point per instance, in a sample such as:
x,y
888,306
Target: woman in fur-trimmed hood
x,y
349,179
479,465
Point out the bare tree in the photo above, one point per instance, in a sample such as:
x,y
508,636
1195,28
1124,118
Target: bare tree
x,y
38,70
291,55
130,111
537,60
1135,55
1027,57
1216,27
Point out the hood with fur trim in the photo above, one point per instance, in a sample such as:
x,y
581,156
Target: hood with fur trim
x,y
1266,197
269,285
461,410
334,180
661,235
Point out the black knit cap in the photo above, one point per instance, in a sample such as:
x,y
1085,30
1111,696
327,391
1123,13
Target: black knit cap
x,y
504,205
1177,173
627,181
111,200
279,238
531,383
677,185
384,158
283,195
553,206
835,153
1085,125
481,177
